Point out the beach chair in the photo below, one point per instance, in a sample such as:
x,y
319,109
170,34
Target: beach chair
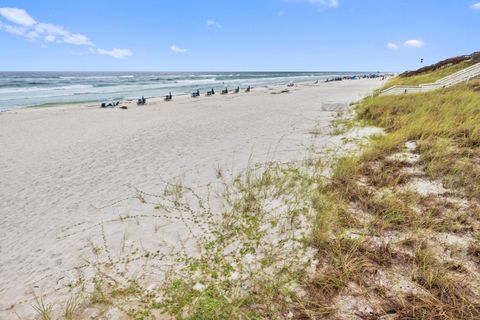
x,y
108,105
209,93
142,101
196,94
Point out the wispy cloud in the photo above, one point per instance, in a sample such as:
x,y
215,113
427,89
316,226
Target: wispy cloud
x,y
281,13
213,24
55,33
475,6
24,25
414,43
17,16
174,48
392,45
15,30
116,53
322,3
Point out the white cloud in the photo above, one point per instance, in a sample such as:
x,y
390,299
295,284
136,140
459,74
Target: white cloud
x,y
322,3
414,43
174,48
26,26
15,30
281,13
32,35
62,35
18,16
116,53
77,39
392,45
213,24
50,38
476,6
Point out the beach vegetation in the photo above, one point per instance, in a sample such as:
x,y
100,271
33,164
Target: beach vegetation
x,y
389,229
429,77
432,73
43,310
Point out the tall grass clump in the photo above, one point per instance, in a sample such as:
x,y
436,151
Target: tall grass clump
x,y
446,124
42,310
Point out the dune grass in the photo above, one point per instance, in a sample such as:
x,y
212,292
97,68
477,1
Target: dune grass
x,y
428,77
446,124
42,309
372,204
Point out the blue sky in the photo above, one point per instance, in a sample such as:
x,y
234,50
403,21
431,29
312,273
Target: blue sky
x,y
248,35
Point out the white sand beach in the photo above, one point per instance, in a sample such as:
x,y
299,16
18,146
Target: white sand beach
x,y
64,171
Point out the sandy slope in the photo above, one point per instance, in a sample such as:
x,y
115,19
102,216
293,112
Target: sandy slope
x,y
59,165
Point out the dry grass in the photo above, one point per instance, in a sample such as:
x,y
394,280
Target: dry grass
x,y
446,127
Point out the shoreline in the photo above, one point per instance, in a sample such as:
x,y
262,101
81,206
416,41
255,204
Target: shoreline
x,y
96,103
201,86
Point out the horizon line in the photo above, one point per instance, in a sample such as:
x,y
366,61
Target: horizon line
x,y
202,71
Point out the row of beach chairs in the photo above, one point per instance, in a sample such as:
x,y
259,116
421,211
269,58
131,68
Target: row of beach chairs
x,y
224,91
209,93
112,105
109,104
169,97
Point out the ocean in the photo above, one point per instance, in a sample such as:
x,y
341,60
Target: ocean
x,y
28,89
